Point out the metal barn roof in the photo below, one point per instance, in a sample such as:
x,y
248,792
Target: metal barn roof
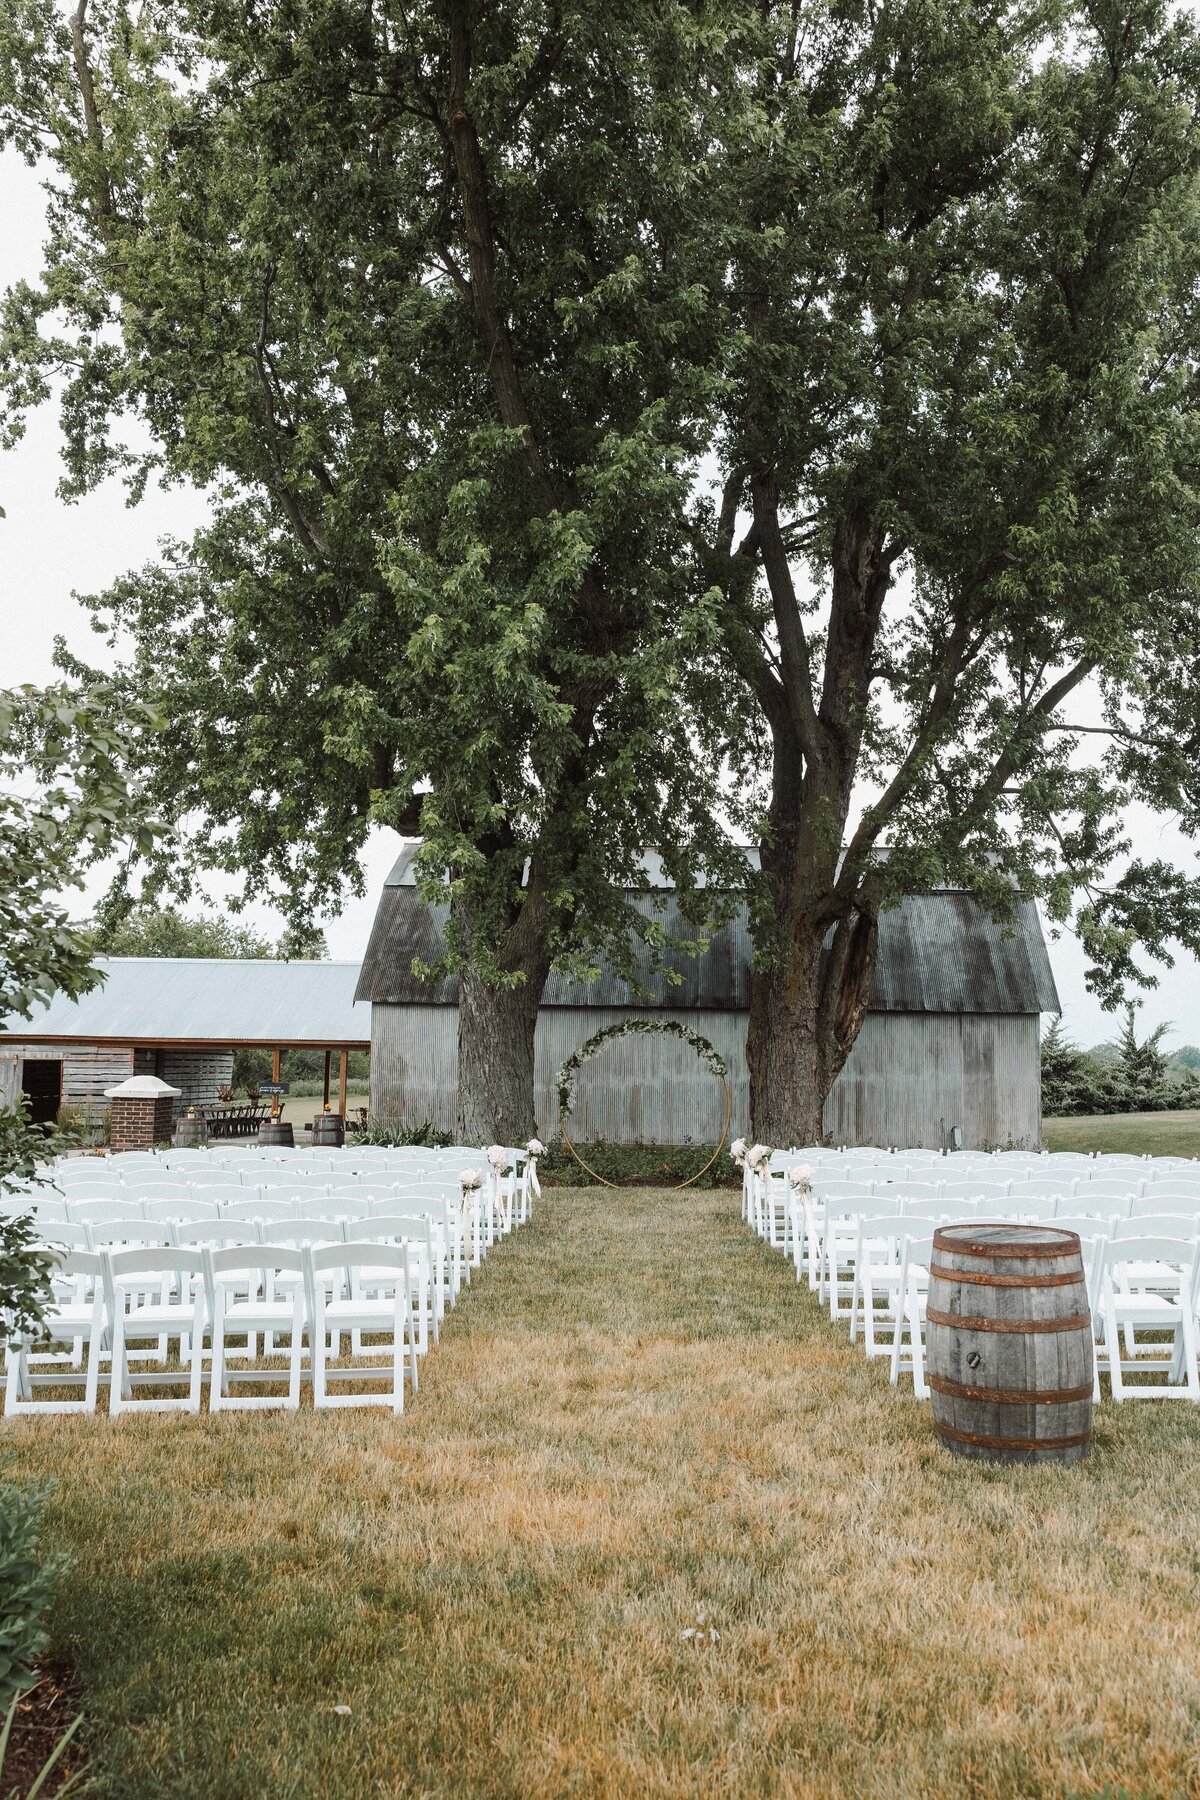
x,y
163,1000
938,953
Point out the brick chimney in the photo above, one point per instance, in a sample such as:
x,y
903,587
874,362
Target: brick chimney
x,y
141,1112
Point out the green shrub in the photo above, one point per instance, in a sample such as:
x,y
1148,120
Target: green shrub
x,y
26,1585
390,1135
637,1165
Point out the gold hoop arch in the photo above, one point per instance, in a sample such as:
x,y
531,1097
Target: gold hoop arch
x,y
676,1186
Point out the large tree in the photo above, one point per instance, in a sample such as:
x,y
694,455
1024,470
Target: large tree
x,y
958,538
407,290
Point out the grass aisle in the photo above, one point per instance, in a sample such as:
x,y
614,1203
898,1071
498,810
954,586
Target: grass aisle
x,y
634,1418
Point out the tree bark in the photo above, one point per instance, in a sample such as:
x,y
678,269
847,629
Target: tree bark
x,y
495,1059
805,1014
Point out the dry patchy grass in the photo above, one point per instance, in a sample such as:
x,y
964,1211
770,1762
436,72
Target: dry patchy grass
x,y
635,1417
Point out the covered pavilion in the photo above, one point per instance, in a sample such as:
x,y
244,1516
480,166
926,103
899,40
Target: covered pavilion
x,y
181,1018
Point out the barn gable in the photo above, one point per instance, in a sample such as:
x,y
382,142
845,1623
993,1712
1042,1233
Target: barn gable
x,y
938,953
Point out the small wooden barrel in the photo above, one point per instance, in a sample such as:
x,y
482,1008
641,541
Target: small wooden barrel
x,y
1009,1343
190,1131
329,1129
274,1131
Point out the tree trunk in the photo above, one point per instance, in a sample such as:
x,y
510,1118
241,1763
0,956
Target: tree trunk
x,y
783,1050
495,1059
805,1013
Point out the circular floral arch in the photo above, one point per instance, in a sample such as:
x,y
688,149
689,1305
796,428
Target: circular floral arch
x,y
565,1085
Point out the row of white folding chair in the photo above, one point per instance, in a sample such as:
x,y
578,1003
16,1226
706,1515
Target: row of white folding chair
x,y
102,1218
1135,1278
420,1231
120,1298
1150,1282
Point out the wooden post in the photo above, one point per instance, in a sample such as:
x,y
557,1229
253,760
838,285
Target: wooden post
x,y
276,1066
328,1075
342,1068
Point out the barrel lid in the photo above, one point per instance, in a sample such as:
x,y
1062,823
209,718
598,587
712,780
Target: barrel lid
x,y
1016,1241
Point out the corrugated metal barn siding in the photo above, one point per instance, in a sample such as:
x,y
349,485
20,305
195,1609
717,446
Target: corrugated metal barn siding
x,y
910,1076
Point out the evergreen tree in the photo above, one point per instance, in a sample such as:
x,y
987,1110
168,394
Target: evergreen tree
x,y
1067,1085
1141,1071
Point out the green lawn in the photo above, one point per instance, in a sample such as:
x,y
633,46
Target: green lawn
x,y
1156,1134
636,1426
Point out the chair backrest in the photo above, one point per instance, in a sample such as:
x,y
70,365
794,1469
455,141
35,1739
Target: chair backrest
x,y
403,1228
75,1189
302,1232
1101,1206
1110,1187
358,1255
236,1260
911,1192
181,1209
940,1210
48,1210
975,1190
127,1267
216,1233
1085,1228
1026,1207
217,1193
1165,1200
145,1187
335,1206
84,1264
1157,1225
62,1234
1141,1247
266,1206
99,1212
110,1233
1040,1186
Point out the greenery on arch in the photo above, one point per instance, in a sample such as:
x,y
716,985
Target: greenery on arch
x,y
565,1085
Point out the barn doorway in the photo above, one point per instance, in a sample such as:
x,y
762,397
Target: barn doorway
x,y
41,1080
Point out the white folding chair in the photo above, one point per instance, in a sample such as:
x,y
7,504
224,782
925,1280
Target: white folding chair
x,y
1149,1283
875,1293
417,1231
915,1258
378,1303
76,1318
247,1295
156,1294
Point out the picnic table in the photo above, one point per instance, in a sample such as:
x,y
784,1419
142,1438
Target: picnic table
x,y
234,1121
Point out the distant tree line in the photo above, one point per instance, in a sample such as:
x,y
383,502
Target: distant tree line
x,y
1130,1075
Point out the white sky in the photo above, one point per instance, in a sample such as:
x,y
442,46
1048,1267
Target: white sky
x,y
49,551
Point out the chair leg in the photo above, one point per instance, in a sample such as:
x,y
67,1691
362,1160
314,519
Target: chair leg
x,y
91,1387
318,1347
119,1390
219,1386
196,1384
293,1398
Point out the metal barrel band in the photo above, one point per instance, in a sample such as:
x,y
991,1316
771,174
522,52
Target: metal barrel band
x,y
975,1278
958,1390
965,1322
994,1443
1019,1252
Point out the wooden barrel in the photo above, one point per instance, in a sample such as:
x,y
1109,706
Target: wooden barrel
x,y
274,1131
1009,1343
329,1129
190,1130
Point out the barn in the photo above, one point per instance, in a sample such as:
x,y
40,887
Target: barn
x,y
951,1040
